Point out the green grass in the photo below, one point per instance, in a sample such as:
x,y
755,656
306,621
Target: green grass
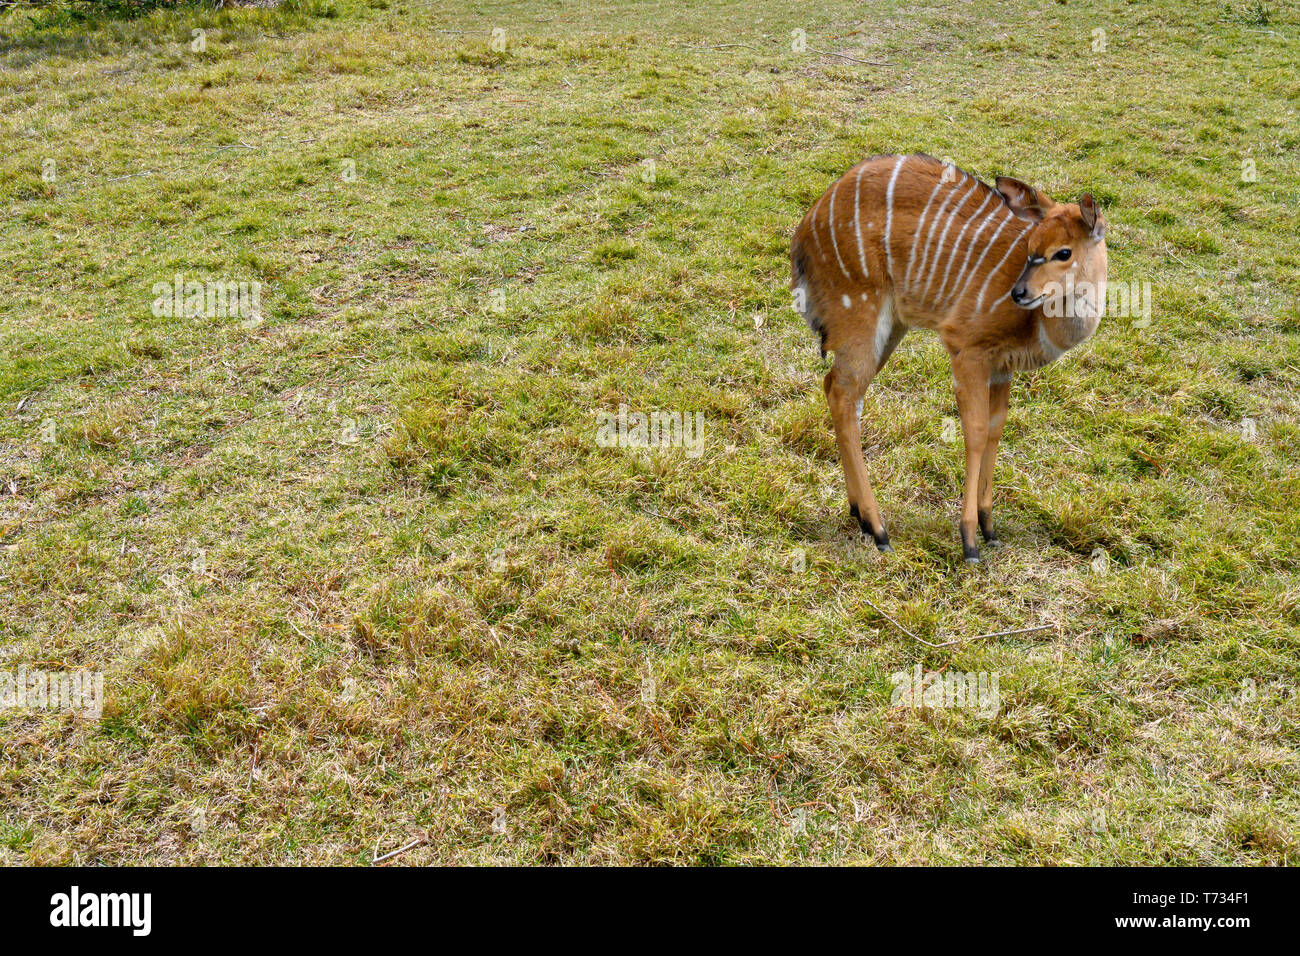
x,y
360,574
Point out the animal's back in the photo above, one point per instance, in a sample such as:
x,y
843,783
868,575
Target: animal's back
x,y
909,233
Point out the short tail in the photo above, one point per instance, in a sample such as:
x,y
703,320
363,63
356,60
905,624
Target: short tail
x,y
804,301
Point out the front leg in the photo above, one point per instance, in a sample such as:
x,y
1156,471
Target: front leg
x,y
971,372
999,395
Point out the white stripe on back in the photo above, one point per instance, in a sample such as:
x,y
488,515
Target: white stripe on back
x,y
920,224
976,269
925,259
857,218
956,243
970,250
929,277
889,217
994,271
830,220
820,250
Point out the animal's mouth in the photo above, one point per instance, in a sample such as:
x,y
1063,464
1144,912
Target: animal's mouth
x,y
1032,303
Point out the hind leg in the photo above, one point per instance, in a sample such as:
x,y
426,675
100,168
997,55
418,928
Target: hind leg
x,y
858,357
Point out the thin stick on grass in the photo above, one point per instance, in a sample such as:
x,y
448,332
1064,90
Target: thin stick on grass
x,y
845,56
724,46
390,855
676,521
977,637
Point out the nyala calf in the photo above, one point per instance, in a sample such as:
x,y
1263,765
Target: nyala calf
x,y
1008,278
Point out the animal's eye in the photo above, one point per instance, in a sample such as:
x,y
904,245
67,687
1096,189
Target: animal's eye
x,y
1062,254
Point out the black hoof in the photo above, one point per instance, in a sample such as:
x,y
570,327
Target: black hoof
x,y
986,529
881,537
970,550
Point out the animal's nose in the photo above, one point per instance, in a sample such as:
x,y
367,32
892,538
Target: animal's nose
x,y
1018,294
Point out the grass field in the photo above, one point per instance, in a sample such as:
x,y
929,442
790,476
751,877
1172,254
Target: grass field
x,y
360,577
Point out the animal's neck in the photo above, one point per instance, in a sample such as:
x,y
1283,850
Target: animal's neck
x,y
1072,319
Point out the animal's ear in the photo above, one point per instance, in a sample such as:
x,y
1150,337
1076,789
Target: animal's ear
x,y
1024,200
1092,217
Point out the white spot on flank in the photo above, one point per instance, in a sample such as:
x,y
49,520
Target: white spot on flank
x,y
846,300
864,297
889,217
